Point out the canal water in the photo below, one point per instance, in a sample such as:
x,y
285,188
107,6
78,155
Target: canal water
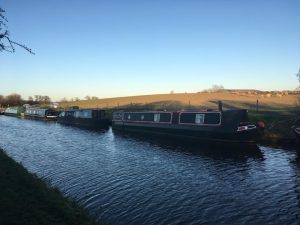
x,y
140,180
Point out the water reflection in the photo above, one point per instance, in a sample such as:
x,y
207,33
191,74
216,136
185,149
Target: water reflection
x,y
209,149
130,179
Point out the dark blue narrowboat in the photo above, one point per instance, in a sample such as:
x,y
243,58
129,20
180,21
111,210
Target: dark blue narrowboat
x,y
40,113
225,126
89,118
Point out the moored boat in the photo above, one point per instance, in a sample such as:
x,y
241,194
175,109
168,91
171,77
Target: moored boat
x,y
89,118
14,111
41,113
208,125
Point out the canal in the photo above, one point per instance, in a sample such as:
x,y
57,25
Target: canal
x,y
125,180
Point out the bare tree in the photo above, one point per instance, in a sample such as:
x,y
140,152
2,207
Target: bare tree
x,y
64,99
14,99
298,75
216,87
42,99
6,43
30,100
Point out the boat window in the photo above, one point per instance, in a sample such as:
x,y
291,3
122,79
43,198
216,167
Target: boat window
x,y
89,114
128,117
117,116
156,117
77,114
142,117
199,119
102,114
213,118
83,114
165,117
95,114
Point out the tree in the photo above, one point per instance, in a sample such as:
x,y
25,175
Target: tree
x,y
30,100
6,43
2,99
42,99
64,99
14,99
45,99
217,88
298,75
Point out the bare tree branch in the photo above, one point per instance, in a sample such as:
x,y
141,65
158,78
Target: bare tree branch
x,y
6,44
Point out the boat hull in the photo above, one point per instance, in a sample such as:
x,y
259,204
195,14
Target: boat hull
x,y
85,123
11,114
51,118
219,134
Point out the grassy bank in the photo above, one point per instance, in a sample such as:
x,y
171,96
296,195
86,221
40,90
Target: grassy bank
x,y
278,124
26,199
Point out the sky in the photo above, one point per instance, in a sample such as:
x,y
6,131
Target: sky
x,y
136,47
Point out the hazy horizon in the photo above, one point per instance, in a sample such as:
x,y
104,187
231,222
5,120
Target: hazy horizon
x,y
115,49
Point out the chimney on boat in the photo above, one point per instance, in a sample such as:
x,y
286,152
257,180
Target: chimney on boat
x,y
220,106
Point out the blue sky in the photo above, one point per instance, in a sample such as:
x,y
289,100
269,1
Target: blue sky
x,y
120,48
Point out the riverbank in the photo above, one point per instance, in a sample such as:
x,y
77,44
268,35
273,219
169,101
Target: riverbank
x,y
26,199
279,125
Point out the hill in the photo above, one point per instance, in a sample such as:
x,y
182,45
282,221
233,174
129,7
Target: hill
x,y
230,98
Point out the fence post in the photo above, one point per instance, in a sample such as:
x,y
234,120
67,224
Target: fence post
x,y
220,106
257,106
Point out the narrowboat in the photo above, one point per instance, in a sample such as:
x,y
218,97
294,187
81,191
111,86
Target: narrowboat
x,y
16,111
40,113
208,125
89,118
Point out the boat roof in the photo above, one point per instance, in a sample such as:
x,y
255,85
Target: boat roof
x,y
179,111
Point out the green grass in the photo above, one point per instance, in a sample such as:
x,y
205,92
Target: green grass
x,y
278,122
26,199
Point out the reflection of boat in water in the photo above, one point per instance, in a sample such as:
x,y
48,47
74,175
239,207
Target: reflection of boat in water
x,y
217,150
296,130
88,118
231,126
40,113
